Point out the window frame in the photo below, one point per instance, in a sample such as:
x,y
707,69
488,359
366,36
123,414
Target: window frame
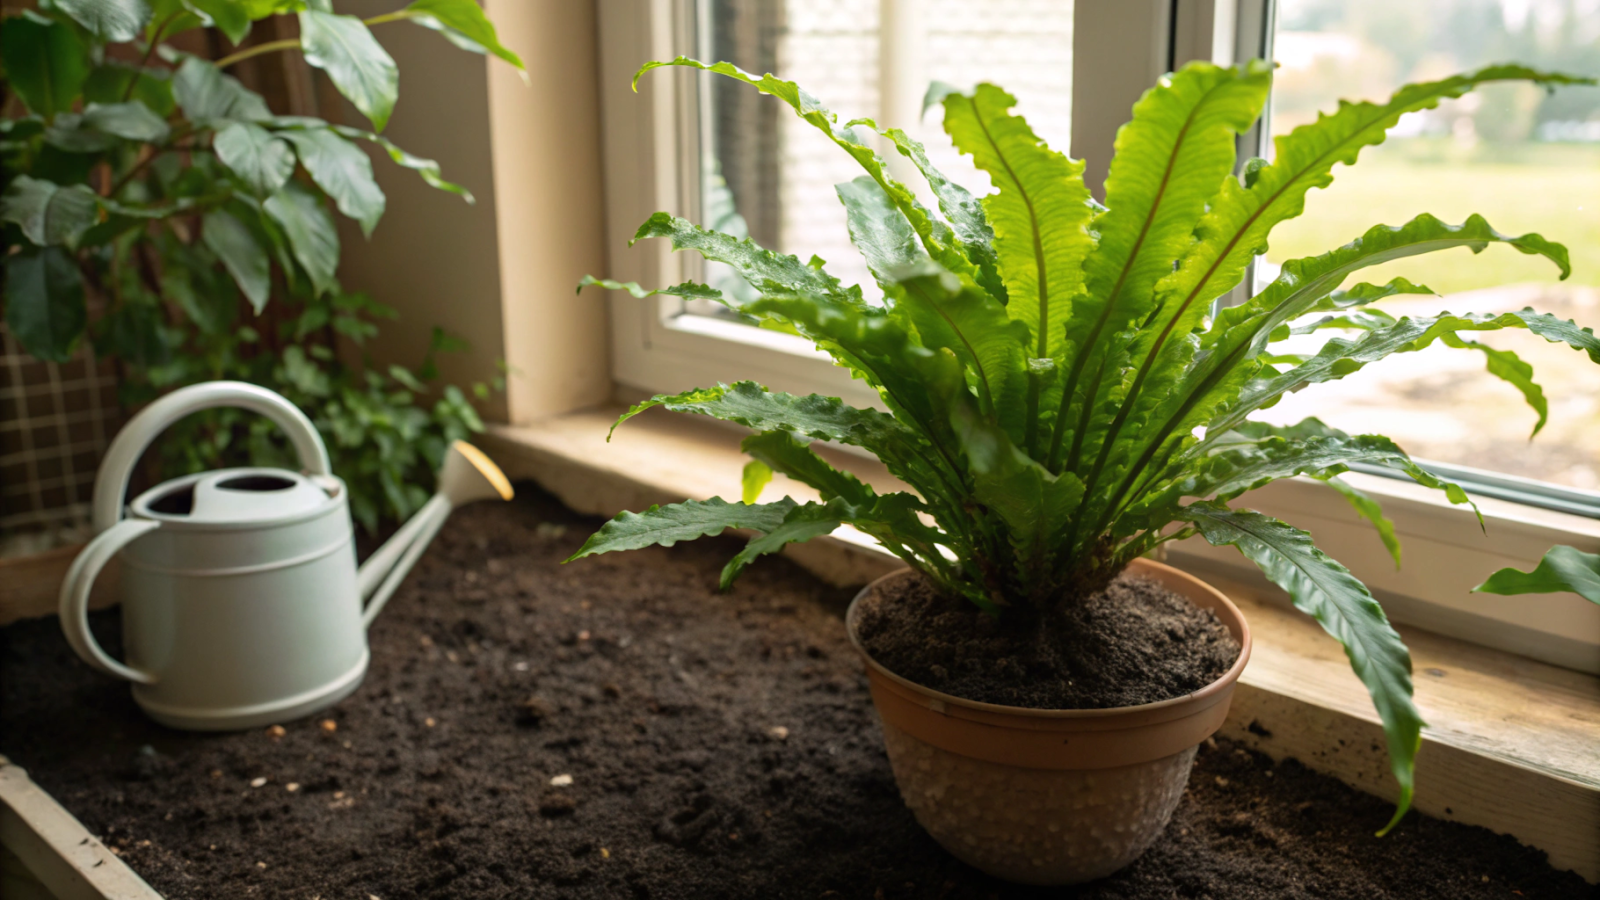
x,y
651,163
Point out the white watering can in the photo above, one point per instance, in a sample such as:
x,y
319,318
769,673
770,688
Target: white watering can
x,y
241,601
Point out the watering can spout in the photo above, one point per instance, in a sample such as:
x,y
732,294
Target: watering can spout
x,y
466,475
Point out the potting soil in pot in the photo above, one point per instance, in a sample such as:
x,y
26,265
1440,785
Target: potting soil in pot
x,y
1134,642
617,728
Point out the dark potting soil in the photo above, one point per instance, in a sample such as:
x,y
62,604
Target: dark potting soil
x,y
717,746
1134,642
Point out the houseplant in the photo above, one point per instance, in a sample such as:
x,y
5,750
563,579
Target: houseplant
x,y
149,179
1063,399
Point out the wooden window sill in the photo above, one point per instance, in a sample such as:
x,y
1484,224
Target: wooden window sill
x,y
1510,743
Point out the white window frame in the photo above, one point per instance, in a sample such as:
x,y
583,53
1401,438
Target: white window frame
x,y
651,163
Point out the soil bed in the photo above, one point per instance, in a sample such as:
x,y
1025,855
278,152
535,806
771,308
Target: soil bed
x,y
1134,642
616,728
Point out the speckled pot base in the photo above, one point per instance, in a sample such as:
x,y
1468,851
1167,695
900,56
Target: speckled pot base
x,y
1037,826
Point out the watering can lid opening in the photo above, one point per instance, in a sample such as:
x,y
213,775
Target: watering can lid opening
x,y
238,496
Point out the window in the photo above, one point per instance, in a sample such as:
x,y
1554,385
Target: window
x,y
720,154
1524,159
769,175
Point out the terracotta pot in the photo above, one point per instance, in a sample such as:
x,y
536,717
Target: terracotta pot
x,y
1046,796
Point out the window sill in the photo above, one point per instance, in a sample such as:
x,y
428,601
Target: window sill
x,y
1510,742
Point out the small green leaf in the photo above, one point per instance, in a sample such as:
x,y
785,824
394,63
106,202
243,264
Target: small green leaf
x,y
48,213
310,231
343,171
1563,568
44,302
113,21
262,162
463,18
756,476
358,66
243,256
45,62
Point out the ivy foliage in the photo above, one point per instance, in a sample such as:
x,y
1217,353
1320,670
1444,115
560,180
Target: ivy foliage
x,y
1056,387
205,225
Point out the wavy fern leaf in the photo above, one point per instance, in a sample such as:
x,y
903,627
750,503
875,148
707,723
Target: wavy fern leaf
x,y
1325,590
1170,161
667,525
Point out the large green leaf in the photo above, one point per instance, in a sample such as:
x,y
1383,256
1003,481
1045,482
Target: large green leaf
x,y
343,172
262,161
1320,587
1039,214
464,19
667,525
1217,390
44,302
45,62
1234,230
113,21
245,259
1562,569
49,213
1170,160
354,60
206,94
310,232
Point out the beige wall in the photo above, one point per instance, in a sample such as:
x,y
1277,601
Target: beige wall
x,y
500,273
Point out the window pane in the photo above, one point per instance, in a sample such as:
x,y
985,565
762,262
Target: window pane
x,y
1526,160
771,174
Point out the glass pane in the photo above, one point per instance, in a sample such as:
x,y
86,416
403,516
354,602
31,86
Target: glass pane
x,y
770,175
1526,160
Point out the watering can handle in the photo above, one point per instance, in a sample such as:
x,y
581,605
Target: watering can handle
x,y
111,484
75,589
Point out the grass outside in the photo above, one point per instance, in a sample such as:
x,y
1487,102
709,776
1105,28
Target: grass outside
x,y
1560,200
1440,404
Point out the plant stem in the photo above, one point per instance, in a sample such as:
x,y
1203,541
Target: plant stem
x,y
257,50
291,43
155,40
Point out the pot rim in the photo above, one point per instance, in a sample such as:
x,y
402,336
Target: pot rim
x,y
1223,684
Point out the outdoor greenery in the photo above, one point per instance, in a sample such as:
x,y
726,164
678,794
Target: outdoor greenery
x,y
1061,392
154,182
